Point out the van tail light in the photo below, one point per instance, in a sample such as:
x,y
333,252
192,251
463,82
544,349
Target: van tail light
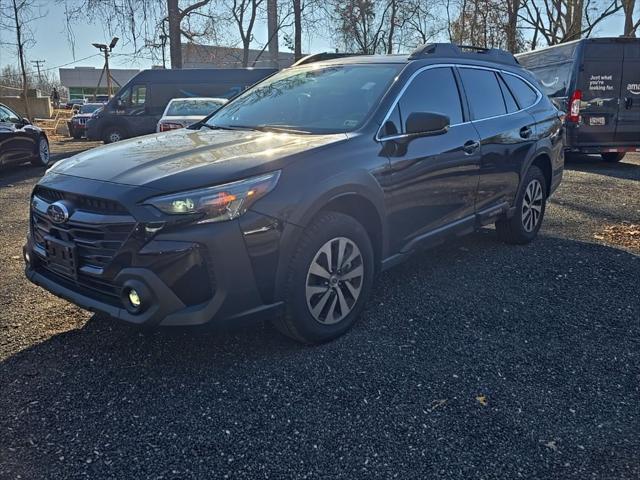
x,y
574,107
165,127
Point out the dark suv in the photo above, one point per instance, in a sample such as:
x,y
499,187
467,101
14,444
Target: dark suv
x,y
289,199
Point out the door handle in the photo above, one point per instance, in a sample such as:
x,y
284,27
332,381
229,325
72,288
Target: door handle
x,y
470,146
628,102
525,132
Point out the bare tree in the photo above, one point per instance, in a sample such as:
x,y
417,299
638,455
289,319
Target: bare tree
x,y
272,32
558,21
362,25
244,14
133,20
630,27
486,23
297,29
16,17
420,22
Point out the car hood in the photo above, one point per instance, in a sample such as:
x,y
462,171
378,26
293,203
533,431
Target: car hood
x,y
185,159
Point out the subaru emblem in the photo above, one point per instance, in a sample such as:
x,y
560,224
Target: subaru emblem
x,y
58,212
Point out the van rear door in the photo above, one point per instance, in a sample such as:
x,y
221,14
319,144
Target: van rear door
x,y
599,81
628,131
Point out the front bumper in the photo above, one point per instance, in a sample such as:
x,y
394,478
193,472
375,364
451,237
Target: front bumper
x,y
162,269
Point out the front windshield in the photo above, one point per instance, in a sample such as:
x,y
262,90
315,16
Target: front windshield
x,y
90,107
314,99
193,107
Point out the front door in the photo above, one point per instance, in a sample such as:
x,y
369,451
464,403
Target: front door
x,y
434,178
134,111
628,131
16,142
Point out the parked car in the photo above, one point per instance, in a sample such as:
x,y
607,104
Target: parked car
x,y
597,82
78,123
74,104
287,201
136,109
20,141
182,112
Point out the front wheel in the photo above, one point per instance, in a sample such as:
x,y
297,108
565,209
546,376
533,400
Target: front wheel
x,y
43,157
112,135
329,280
612,156
531,203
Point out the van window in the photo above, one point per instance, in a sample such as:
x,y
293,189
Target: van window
x,y
434,90
512,106
483,93
525,95
554,79
138,95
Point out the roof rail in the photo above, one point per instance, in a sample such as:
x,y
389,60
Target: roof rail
x,y
465,51
319,57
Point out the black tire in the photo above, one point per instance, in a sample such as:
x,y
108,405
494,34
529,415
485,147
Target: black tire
x,y
518,229
76,135
43,156
298,322
612,156
111,133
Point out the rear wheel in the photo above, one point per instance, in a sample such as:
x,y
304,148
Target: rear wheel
x,y
531,203
112,135
612,156
329,280
43,157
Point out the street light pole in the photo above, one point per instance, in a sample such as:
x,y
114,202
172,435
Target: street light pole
x,y
107,49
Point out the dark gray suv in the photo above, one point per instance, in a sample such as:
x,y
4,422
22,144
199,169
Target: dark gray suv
x,y
288,200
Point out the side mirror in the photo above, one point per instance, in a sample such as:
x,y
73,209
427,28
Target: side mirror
x,y
26,121
427,123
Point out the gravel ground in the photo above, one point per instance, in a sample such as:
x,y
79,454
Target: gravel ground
x,y
475,360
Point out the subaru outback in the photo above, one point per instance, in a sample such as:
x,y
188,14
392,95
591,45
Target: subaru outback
x,y
286,202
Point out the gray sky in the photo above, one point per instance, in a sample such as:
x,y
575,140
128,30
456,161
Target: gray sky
x,y
52,46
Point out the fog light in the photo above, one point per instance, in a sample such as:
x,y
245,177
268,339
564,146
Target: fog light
x,y
134,298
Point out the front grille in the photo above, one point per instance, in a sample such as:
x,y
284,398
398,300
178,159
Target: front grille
x,y
97,228
80,202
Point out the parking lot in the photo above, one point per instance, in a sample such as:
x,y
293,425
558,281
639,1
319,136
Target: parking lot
x,y
473,360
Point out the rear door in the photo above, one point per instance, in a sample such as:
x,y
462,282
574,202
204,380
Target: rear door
x,y
506,134
599,82
628,131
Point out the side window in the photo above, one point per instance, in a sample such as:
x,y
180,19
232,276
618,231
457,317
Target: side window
x,y
525,95
138,95
8,116
433,90
512,106
483,93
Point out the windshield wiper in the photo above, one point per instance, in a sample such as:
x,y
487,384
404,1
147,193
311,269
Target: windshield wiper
x,y
280,129
227,127
260,128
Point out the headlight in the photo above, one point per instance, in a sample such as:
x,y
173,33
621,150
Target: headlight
x,y
220,203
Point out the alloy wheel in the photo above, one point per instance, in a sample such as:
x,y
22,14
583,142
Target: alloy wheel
x,y
44,151
334,280
114,137
532,205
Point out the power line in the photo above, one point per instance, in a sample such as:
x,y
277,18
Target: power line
x,y
57,66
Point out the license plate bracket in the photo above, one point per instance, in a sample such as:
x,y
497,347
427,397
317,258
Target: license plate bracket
x,y
61,256
597,121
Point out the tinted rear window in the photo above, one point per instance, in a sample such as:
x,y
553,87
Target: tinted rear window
x,y
525,95
483,93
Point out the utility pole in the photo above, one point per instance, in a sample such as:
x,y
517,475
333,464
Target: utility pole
x,y
107,49
37,63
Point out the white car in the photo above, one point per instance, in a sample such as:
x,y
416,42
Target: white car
x,y
182,112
